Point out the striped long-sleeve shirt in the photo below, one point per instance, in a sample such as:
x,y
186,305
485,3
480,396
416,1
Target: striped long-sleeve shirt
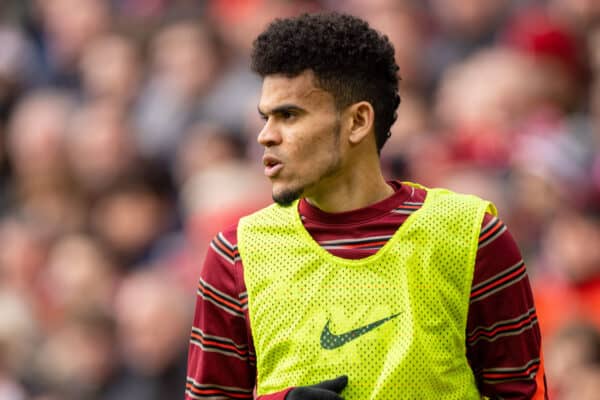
x,y
502,338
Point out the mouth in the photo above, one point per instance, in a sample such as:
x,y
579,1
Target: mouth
x,y
272,166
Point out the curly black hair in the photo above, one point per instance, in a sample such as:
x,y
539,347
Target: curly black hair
x,y
350,60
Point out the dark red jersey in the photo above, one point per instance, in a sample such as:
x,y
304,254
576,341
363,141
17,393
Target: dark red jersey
x,y
502,338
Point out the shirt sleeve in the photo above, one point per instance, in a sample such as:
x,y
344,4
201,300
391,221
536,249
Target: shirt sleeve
x,y
503,334
221,357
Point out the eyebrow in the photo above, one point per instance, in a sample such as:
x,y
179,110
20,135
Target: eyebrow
x,y
281,108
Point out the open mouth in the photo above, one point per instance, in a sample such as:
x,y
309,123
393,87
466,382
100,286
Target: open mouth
x,y
272,166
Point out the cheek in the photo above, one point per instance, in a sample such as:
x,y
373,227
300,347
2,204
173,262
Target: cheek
x,y
312,145
318,145
314,157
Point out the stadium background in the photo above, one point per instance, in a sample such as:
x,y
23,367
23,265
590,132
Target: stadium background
x,y
127,140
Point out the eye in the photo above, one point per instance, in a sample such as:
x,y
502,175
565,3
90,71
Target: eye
x,y
287,115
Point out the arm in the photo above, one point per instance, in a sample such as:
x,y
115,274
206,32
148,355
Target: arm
x,y
221,358
503,335
221,361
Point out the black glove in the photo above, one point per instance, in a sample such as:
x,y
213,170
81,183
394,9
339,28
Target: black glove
x,y
326,390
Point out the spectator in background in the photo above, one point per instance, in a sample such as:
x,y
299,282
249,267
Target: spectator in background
x,y
461,29
78,358
594,167
64,29
100,146
557,56
76,288
569,268
573,356
16,68
478,125
205,146
18,330
134,216
152,315
22,261
185,60
42,186
579,15
111,69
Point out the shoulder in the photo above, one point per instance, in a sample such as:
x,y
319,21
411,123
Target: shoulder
x,y
492,229
441,195
224,244
230,220
228,235
454,206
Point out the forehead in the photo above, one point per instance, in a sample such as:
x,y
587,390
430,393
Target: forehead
x,y
300,90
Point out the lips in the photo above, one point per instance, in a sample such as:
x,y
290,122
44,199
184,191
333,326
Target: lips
x,y
272,166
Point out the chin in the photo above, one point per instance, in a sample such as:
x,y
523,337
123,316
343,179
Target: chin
x,y
286,197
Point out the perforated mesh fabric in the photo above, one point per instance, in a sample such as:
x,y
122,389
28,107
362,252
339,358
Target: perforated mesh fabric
x,y
393,322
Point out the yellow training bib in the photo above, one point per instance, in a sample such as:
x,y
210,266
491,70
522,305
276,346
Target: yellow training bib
x,y
394,322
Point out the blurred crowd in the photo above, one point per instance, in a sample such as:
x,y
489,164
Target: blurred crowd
x,y
127,140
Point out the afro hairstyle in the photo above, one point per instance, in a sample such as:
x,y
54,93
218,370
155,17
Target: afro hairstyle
x,y
350,60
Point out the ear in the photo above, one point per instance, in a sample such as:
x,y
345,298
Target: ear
x,y
362,121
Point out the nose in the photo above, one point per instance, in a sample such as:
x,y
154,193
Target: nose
x,y
269,135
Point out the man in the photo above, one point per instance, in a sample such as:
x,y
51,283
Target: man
x,y
350,285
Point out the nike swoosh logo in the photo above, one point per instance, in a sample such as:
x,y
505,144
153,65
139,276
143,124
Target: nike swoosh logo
x,y
330,341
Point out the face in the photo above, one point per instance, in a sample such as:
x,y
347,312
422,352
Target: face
x,y
301,136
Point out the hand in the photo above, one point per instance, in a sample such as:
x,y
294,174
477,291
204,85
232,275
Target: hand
x,y
326,390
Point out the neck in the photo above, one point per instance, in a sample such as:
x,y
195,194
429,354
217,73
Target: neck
x,y
347,193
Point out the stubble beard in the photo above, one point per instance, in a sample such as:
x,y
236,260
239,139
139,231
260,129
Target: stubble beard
x,y
287,197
